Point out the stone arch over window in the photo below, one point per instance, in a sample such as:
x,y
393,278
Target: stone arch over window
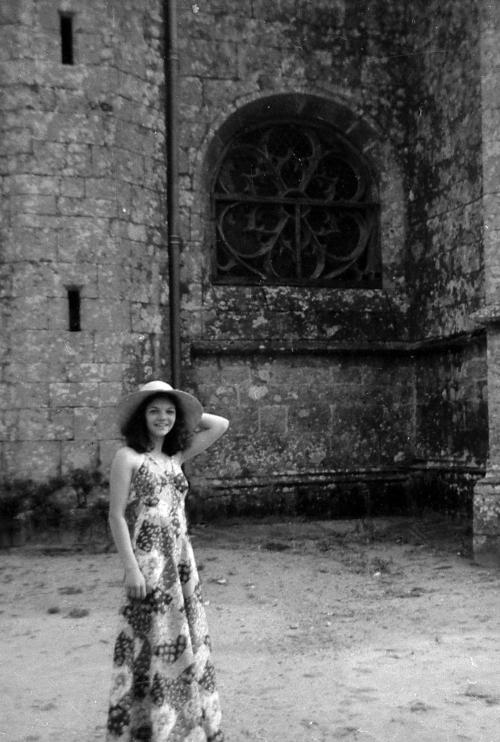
x,y
294,199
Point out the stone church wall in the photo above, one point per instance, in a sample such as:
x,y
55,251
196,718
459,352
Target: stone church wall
x,y
274,356
445,236
336,396
444,169
375,71
83,175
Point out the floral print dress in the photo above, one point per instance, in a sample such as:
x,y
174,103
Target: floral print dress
x,y
163,683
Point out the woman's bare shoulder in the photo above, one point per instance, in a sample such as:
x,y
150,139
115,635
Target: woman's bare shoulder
x,y
126,456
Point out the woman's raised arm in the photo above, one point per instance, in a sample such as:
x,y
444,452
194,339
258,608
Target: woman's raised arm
x,y
211,428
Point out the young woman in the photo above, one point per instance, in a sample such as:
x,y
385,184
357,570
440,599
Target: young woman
x,y
163,684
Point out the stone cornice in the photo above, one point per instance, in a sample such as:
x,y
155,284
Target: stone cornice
x,y
487,315
318,347
330,477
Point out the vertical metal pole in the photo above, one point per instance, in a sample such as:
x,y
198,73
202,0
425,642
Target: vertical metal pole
x,y
171,61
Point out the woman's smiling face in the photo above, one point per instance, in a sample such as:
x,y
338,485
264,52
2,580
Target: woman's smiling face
x,y
160,417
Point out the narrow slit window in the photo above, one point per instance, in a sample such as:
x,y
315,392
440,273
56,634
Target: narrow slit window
x,y
74,310
66,23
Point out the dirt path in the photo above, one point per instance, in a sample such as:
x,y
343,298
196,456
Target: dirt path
x,y
322,631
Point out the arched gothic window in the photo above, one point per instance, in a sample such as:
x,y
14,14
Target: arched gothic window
x,y
293,203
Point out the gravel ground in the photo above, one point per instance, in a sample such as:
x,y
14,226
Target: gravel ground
x,y
328,630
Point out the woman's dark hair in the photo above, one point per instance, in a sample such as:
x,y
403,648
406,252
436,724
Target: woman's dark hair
x,y
136,432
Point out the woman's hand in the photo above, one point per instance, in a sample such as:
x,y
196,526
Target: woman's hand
x,y
135,583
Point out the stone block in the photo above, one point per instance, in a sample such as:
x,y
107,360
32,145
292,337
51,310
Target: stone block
x,y
487,508
7,388
27,220
141,284
107,426
79,455
193,323
30,395
222,397
42,185
102,208
273,419
142,206
310,418
191,100
59,314
73,187
108,449
30,312
101,188
109,346
26,244
33,279
110,392
110,279
45,16
8,425
84,240
85,423
69,347
62,424
129,166
34,204
12,13
18,140
37,460
74,394
74,207
244,421
136,232
47,352
105,315
233,374
145,318
48,157
32,372
77,160
94,371
133,137
45,424
192,269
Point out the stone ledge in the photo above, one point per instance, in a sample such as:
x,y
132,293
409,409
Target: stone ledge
x,y
325,476
337,494
206,348
487,315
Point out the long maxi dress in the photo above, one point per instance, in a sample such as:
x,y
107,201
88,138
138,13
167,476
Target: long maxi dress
x,y
163,681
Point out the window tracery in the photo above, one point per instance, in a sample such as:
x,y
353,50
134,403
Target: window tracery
x,y
293,205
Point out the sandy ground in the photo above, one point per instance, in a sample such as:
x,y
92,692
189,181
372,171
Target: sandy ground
x,y
322,631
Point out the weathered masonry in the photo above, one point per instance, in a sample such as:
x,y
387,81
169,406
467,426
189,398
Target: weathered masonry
x,y
339,270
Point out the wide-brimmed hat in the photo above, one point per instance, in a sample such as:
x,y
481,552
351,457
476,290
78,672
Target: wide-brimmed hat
x,y
189,405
